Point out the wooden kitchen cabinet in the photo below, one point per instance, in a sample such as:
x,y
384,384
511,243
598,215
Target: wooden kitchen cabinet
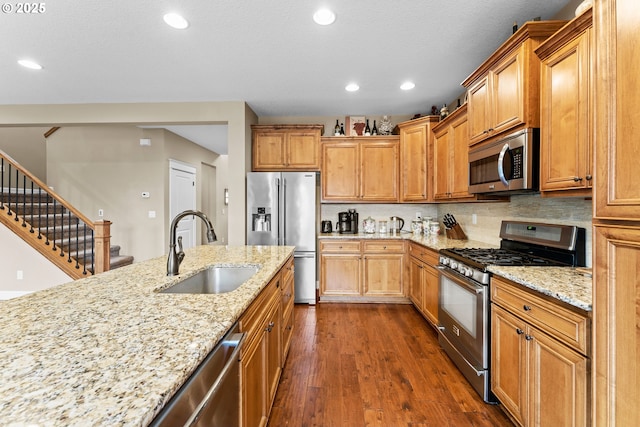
x,y
340,268
363,169
539,358
424,285
263,353
383,263
288,297
451,157
566,122
362,270
503,93
286,147
616,202
415,168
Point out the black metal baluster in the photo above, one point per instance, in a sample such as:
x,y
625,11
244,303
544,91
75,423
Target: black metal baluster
x,y
39,212
47,222
54,226
9,188
69,238
24,201
93,255
84,248
15,205
78,246
31,229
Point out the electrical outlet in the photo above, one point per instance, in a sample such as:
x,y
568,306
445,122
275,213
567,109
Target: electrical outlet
x,y
474,219
152,214
100,213
418,215
19,275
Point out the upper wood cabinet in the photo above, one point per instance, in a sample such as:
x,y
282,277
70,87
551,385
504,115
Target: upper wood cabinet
x,y
363,169
451,157
286,147
503,92
415,169
566,109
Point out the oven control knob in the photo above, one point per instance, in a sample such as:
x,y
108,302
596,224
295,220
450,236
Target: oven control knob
x,y
444,261
454,265
468,272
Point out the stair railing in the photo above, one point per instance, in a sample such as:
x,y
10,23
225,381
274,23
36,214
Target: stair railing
x,y
50,224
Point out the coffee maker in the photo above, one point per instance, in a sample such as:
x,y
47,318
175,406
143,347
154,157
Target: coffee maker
x,y
348,222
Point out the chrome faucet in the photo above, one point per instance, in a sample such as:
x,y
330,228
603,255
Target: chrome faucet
x,y
175,258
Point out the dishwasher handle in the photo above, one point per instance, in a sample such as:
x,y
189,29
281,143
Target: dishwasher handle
x,y
234,340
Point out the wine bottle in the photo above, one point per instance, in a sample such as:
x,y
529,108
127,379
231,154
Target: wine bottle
x,y
374,131
341,128
367,129
336,130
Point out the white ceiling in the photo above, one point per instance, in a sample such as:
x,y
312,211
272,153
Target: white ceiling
x,y
269,54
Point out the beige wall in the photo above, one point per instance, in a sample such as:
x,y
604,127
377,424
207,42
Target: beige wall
x,y
27,146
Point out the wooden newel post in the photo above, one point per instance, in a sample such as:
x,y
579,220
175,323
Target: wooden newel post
x,y
102,243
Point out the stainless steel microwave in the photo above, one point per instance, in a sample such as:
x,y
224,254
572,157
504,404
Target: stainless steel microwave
x,y
507,165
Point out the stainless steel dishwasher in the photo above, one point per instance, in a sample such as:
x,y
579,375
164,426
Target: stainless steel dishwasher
x,y
211,396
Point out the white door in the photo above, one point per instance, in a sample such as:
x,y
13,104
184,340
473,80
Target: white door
x,y
182,197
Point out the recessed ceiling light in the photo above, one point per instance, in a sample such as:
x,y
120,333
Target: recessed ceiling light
x,y
27,63
352,87
176,21
407,85
324,17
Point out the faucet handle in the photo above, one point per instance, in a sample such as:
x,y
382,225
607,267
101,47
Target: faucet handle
x,y
180,251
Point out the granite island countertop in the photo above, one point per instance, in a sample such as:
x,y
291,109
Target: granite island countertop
x,y
110,349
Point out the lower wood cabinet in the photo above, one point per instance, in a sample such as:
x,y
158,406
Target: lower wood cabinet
x,y
423,281
266,345
362,269
539,358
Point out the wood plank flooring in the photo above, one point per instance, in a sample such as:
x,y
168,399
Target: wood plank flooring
x,y
353,365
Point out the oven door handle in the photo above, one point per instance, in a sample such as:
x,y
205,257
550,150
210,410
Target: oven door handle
x,y
462,280
503,152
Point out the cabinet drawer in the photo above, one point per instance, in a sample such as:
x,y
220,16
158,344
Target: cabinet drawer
x,y
564,325
425,255
251,319
340,246
384,246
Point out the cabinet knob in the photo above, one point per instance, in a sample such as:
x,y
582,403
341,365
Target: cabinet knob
x,y
577,179
384,247
528,337
519,331
270,327
526,307
589,177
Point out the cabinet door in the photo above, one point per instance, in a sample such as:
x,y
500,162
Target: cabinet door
x,y
616,317
340,171
459,160
340,274
565,131
431,293
479,111
268,150
509,362
379,165
383,274
413,157
441,159
617,157
557,383
273,346
302,151
507,93
415,283
254,385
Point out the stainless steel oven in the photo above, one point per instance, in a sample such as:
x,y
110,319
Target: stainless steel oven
x,y
507,165
463,314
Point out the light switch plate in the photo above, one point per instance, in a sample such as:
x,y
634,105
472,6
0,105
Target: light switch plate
x,y
152,214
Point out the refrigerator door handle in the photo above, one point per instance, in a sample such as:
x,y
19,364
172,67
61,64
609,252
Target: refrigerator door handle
x,y
284,212
279,212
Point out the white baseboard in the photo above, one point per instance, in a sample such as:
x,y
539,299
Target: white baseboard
x,y
4,295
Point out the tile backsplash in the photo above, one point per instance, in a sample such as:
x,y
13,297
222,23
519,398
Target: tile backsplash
x,y
489,215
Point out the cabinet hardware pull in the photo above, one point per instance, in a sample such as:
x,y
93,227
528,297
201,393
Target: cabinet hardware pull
x,y
270,327
528,337
519,331
526,307
577,179
589,177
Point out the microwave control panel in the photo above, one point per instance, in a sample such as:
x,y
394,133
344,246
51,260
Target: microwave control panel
x,y
517,157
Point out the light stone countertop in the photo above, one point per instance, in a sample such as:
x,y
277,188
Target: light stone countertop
x,y
571,285
111,350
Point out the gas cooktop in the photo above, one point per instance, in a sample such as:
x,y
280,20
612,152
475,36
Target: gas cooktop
x,y
483,257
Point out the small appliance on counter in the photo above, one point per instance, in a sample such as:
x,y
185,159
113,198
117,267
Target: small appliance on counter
x,y
348,222
395,224
327,227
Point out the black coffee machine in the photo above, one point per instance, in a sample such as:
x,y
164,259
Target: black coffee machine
x,y
348,222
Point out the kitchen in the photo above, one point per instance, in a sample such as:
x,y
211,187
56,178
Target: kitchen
x,y
518,211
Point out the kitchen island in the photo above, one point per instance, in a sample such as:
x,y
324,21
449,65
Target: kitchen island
x,y
110,349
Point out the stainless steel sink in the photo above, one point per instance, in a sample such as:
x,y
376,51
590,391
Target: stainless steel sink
x,y
214,280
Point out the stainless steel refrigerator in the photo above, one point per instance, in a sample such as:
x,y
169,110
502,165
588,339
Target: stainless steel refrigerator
x,y
282,209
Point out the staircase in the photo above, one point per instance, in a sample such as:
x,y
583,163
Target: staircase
x,y
52,226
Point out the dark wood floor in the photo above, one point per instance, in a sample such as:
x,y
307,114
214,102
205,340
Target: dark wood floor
x,y
353,365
